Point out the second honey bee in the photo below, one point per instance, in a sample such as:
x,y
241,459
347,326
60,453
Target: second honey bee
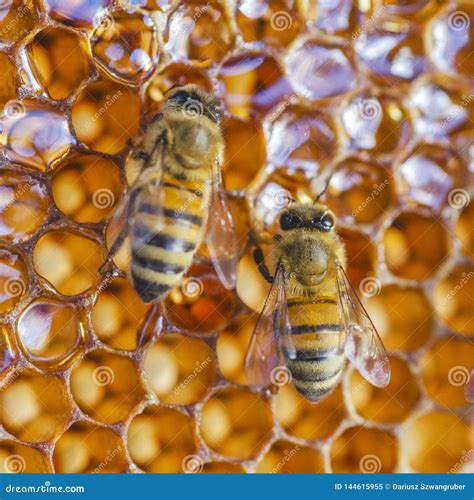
x,y
177,198
312,318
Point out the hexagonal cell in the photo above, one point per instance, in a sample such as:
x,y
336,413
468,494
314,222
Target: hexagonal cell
x,y
406,252
318,68
403,316
13,280
86,188
179,370
34,408
232,345
199,31
70,262
117,314
285,457
200,304
162,440
445,370
106,386
436,442
276,23
88,448
35,133
8,80
241,165
16,458
452,299
360,190
344,17
105,116
304,420
362,449
375,121
251,81
390,404
47,55
391,50
236,423
18,18
125,45
80,13
464,232
50,333
23,205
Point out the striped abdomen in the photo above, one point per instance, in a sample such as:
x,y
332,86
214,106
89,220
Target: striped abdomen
x,y
316,335
167,230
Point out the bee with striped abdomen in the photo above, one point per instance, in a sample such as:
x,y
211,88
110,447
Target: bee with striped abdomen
x,y
178,184
312,318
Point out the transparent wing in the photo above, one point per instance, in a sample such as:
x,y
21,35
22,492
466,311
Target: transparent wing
x,y
363,346
221,237
270,334
469,388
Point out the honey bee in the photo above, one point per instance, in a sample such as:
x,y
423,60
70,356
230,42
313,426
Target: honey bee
x,y
178,191
312,318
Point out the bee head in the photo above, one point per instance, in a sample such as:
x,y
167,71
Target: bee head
x,y
195,102
308,243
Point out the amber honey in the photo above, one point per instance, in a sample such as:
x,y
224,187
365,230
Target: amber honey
x,y
93,380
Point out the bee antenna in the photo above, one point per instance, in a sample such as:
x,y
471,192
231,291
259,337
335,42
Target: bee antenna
x,y
326,187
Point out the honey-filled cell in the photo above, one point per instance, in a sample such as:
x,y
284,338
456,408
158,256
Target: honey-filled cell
x,y
105,116
285,457
403,316
8,80
364,449
18,18
179,370
463,230
77,13
24,205
445,368
406,252
452,299
13,279
307,421
68,261
88,448
86,188
33,407
50,333
106,386
47,54
436,442
236,423
16,458
391,404
162,440
200,304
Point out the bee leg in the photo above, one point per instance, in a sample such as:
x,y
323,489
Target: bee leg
x,y
262,267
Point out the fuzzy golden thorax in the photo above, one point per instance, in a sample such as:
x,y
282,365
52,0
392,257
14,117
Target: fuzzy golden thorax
x,y
308,247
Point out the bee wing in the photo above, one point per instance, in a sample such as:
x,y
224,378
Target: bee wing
x,y
363,346
270,334
221,237
469,388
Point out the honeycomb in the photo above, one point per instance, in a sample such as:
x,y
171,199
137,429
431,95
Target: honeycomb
x,y
380,94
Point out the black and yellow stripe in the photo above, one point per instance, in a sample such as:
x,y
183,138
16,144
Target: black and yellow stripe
x,y
316,336
167,231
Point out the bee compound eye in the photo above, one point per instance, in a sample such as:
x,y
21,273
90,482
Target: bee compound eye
x,y
327,222
288,221
180,97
